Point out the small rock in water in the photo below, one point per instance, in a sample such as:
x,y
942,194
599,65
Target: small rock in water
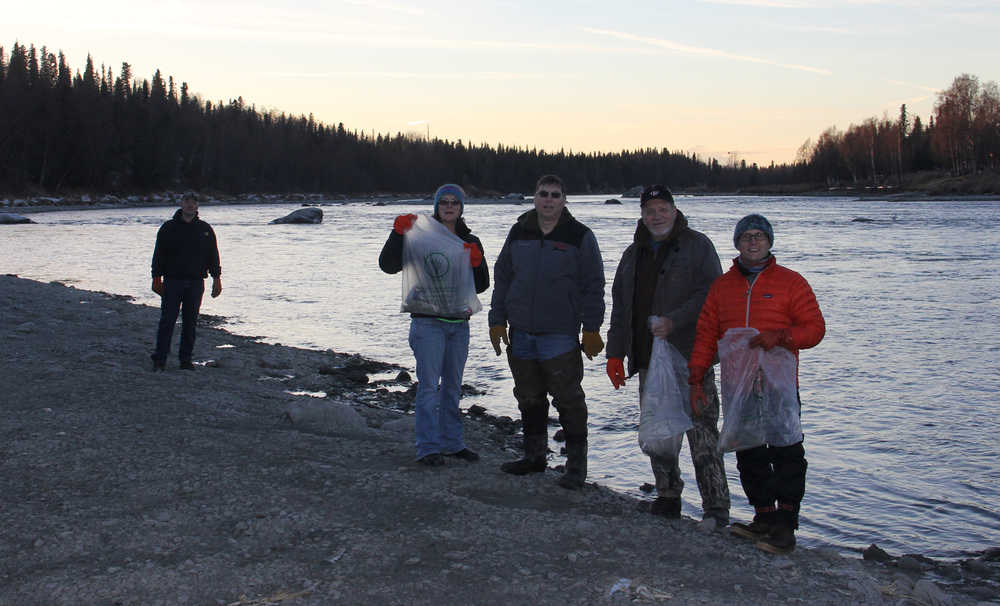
x,y
403,377
876,554
308,215
12,219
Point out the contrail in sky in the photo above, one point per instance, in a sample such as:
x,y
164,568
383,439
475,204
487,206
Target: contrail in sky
x,y
704,52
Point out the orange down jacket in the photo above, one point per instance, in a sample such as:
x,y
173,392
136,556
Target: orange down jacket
x,y
778,298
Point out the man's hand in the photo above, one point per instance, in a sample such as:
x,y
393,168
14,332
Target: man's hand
x,y
592,344
661,327
769,339
158,285
497,334
616,372
403,223
475,257
216,287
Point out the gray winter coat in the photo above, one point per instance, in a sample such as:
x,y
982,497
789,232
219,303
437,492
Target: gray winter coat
x,y
690,267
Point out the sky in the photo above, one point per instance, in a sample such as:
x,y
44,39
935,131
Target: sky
x,y
735,80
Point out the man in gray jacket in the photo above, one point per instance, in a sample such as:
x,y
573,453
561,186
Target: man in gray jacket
x,y
666,272
548,282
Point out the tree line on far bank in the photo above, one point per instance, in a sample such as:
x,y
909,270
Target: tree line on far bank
x,y
96,131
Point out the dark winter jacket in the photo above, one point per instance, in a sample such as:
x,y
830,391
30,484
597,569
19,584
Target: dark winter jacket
x,y
689,266
391,258
186,250
549,283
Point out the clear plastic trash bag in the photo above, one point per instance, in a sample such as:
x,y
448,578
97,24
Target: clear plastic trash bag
x,y
437,277
760,403
665,401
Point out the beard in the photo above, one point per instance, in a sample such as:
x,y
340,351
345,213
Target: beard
x,y
660,231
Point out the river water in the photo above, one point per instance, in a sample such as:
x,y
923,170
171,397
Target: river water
x,y
899,400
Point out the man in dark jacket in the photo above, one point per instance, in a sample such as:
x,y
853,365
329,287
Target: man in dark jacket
x,y
666,273
548,282
186,252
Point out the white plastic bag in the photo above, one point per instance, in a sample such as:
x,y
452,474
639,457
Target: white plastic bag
x,y
664,401
760,403
437,277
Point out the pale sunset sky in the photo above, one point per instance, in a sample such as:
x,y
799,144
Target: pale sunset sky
x,y
744,79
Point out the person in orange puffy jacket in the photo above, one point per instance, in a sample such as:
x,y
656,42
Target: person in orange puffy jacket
x,y
757,292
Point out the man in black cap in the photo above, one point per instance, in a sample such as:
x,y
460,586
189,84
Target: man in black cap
x,y
665,274
186,253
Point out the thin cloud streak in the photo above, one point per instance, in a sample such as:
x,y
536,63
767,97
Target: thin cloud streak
x,y
386,6
763,3
929,89
705,52
414,75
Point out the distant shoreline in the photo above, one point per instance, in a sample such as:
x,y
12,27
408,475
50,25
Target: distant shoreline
x,y
37,204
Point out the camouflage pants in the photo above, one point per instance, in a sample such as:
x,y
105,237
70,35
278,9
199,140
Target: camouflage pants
x,y
709,469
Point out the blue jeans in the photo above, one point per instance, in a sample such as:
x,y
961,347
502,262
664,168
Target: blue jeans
x,y
178,294
440,349
527,346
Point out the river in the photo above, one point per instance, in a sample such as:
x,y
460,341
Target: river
x,y
899,400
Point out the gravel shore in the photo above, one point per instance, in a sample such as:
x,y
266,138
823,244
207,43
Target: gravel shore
x,y
232,485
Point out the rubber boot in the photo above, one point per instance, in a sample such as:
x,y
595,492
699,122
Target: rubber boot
x,y
533,402
535,448
576,463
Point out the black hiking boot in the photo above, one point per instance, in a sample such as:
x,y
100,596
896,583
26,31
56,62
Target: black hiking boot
x,y
668,507
159,365
781,540
187,365
763,523
754,531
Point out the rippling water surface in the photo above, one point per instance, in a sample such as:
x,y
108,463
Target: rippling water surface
x,y
899,400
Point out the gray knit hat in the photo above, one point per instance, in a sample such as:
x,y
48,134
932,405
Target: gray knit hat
x,y
753,221
449,189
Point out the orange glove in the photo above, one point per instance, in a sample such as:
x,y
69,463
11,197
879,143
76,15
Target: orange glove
x,y
592,344
403,223
498,333
158,285
616,372
769,339
475,257
696,379
216,287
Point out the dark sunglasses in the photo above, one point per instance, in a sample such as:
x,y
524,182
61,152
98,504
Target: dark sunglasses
x,y
549,194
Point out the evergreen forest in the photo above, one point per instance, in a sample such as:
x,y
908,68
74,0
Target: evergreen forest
x,y
92,130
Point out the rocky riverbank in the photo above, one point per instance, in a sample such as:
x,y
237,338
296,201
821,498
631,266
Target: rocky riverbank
x,y
273,474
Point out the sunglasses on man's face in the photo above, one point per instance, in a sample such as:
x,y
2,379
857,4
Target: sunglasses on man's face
x,y
549,194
